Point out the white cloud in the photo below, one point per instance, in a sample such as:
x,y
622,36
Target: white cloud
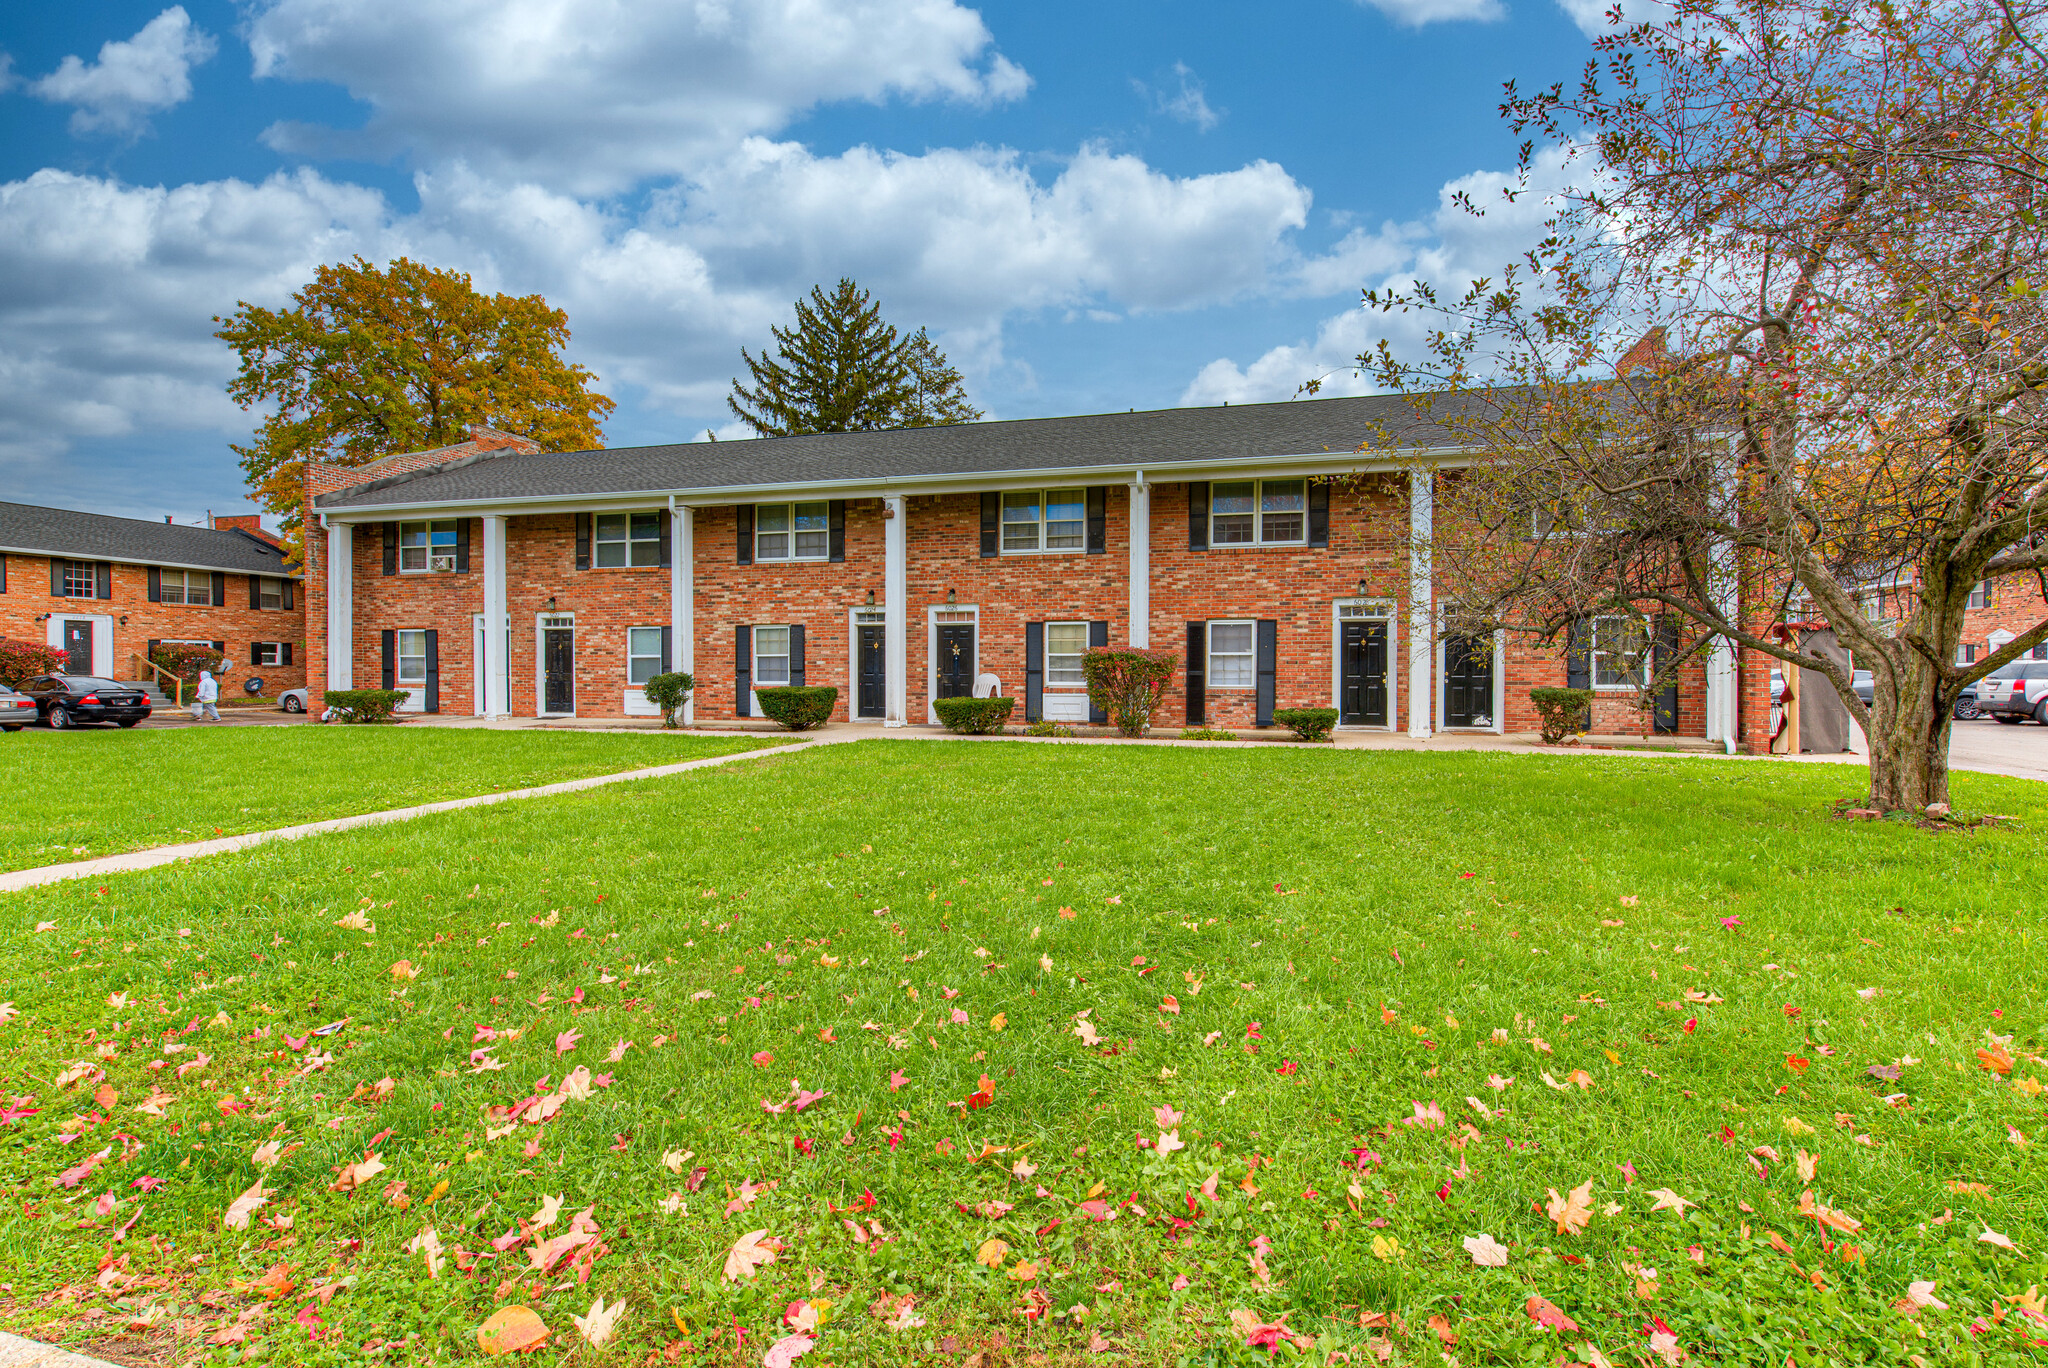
x,y
132,79
593,96
1187,101
1450,250
1416,13
107,290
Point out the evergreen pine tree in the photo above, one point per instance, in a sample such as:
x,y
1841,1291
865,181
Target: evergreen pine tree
x,y
843,369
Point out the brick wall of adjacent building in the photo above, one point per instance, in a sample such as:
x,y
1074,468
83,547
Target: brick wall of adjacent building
x,y
27,597
2014,605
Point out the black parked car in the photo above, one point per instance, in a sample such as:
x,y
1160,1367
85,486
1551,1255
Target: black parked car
x,y
68,700
16,710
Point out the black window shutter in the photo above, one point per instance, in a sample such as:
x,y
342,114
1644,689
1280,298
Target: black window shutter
x,y
462,546
3,572
746,537
255,591
743,668
255,653
836,521
1098,635
668,649
57,577
796,655
154,642
1269,660
582,541
285,652
391,548
287,596
1198,516
666,554
1578,655
222,647
156,585
433,671
389,647
1098,519
991,522
103,581
220,589
1665,716
1034,671
1318,513
1198,672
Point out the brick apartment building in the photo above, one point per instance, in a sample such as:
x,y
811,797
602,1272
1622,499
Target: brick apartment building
x,y
903,566
106,590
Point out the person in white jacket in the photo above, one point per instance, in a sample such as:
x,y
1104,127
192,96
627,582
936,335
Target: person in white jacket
x,y
203,704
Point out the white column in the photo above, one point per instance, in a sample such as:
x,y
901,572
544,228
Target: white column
x,y
1141,564
1722,690
497,630
341,567
682,598
1421,601
896,597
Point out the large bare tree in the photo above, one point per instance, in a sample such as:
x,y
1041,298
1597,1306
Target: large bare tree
x,y
1829,216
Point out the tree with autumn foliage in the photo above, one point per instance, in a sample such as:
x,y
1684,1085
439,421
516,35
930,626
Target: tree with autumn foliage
x,y
1829,218
368,362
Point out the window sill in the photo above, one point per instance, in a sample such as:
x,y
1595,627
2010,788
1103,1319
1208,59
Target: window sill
x,y
1264,546
778,560
1050,551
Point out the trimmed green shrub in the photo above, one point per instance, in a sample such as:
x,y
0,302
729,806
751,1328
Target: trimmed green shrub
x,y
799,707
973,716
1128,683
365,705
1044,728
1560,712
1310,724
1206,734
669,692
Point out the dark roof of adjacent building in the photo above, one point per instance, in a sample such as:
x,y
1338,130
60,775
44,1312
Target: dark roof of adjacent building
x,y
1157,438
137,541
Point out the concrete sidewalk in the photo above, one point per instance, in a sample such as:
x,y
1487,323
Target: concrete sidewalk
x,y
16,1352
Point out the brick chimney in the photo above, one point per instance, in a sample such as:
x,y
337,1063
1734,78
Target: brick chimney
x,y
252,523
1649,351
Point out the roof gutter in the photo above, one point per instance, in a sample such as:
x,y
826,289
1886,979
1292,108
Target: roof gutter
x,y
1306,463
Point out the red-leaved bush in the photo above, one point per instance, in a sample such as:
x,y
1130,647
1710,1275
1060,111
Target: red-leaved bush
x,y
1128,683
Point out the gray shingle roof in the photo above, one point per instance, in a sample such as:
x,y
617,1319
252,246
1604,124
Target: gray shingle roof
x,y
1158,438
135,541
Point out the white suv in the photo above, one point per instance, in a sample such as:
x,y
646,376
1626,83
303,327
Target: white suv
x,y
2017,692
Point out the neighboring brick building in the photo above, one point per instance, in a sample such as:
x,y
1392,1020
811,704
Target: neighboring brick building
x,y
106,590
1254,541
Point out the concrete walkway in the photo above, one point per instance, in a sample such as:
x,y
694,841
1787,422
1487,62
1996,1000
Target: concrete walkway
x,y
16,1352
190,850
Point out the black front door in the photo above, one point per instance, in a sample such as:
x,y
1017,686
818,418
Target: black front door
x,y
874,674
1468,682
956,660
558,662
77,647
1365,674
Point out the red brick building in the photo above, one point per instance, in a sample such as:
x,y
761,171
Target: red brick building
x,y
108,590
904,566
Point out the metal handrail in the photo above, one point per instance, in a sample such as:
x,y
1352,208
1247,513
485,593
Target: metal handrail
x,y
177,684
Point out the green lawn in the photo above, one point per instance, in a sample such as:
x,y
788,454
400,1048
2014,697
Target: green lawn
x,y
1667,979
79,794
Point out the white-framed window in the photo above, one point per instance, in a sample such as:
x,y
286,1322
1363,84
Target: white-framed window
x,y
1620,652
266,653
1966,654
412,660
1065,643
626,539
1980,597
427,548
643,654
1872,603
1045,520
801,531
179,586
270,593
771,657
1258,513
1233,655
81,580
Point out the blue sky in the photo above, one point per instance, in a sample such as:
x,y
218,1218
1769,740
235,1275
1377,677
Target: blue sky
x,y
1095,206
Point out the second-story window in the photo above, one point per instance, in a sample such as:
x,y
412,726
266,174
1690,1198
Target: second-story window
x,y
425,547
793,531
80,580
270,593
1258,513
188,586
1045,520
625,539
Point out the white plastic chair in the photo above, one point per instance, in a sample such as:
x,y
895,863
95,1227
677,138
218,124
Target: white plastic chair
x,y
987,686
